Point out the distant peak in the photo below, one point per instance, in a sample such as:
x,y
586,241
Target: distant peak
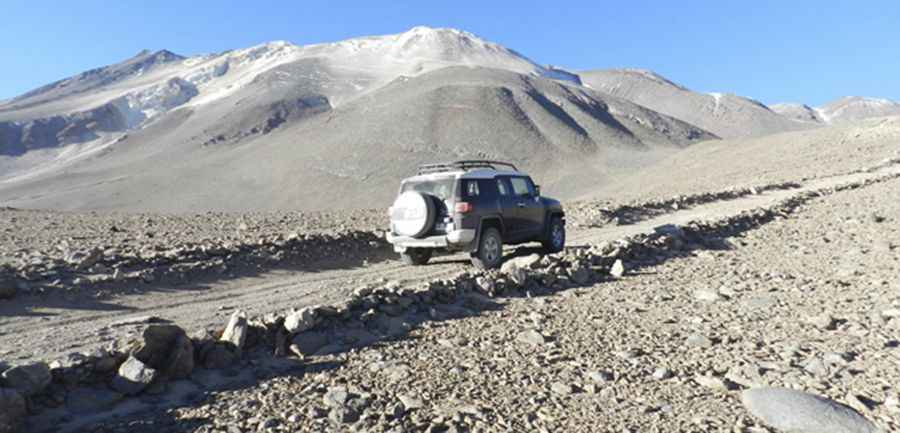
x,y
861,100
427,29
650,75
160,56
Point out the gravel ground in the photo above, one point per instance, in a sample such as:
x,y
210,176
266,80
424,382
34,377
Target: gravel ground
x,y
810,302
29,233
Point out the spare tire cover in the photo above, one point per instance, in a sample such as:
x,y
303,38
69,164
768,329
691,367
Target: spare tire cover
x,y
412,214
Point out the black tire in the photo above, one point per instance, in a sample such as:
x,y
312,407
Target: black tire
x,y
555,239
490,250
416,256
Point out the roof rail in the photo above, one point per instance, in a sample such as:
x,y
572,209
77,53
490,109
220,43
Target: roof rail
x,y
467,164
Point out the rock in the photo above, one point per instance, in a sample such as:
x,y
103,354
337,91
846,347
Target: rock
x,y
795,411
133,376
180,363
890,313
337,396
618,269
301,320
12,411
714,383
531,337
601,376
707,295
91,400
28,379
167,349
411,402
581,275
662,373
698,340
236,330
562,389
308,343
219,355
7,291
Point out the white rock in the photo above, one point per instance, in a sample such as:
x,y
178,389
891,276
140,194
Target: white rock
x,y
799,412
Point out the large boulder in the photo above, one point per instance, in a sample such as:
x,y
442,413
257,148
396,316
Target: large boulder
x,y
12,411
28,379
167,349
236,331
219,354
799,412
133,377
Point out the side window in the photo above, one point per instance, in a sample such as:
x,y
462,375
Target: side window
x,y
472,189
487,188
501,186
521,187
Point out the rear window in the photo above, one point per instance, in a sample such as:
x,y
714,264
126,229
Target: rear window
x,y
440,188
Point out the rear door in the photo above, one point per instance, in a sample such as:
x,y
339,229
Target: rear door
x,y
508,203
530,214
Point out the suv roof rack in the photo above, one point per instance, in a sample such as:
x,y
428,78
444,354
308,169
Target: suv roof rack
x,y
467,164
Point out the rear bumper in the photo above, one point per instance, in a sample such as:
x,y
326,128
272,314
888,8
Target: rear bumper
x,y
455,240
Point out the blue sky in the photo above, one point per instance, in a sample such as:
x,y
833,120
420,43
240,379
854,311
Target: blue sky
x,y
808,51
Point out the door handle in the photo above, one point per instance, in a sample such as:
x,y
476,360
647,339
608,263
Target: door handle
x,y
520,204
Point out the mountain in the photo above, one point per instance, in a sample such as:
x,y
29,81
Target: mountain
x,y
336,125
799,112
853,108
841,110
726,115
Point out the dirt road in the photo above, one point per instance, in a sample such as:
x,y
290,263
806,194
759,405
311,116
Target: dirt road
x,y
48,328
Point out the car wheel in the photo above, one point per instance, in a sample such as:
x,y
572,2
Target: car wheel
x,y
556,236
490,250
416,256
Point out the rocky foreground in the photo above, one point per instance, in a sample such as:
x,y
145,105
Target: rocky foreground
x,y
810,302
705,328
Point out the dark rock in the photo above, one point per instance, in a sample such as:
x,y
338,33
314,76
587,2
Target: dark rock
x,y
166,348
28,379
12,411
219,355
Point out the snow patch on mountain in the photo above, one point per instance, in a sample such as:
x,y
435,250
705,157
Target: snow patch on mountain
x,y
151,101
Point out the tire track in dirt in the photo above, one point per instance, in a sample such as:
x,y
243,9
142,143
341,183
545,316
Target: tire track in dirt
x,y
50,331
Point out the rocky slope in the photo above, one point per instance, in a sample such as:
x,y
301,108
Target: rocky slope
x,y
726,115
772,159
314,156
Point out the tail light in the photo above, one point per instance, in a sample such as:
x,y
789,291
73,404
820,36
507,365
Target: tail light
x,y
463,207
